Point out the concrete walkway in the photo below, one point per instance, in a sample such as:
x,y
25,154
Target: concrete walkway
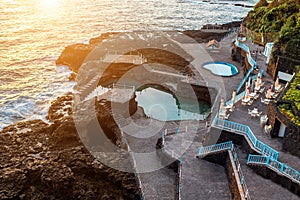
x,y
259,187
200,179
157,184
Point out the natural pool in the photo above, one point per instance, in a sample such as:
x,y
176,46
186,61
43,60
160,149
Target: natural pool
x,y
163,106
221,68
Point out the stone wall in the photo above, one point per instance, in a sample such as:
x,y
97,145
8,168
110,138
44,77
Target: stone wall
x,y
283,64
224,160
234,185
259,169
291,140
202,93
277,178
237,54
125,109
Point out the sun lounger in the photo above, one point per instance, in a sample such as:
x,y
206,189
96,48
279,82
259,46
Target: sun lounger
x,y
227,116
250,102
265,101
261,90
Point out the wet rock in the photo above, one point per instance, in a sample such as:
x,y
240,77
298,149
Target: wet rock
x,y
74,55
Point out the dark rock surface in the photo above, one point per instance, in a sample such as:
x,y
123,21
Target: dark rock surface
x,y
74,55
42,161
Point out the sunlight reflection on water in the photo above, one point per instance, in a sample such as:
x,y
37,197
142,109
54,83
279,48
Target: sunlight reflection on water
x,y
37,31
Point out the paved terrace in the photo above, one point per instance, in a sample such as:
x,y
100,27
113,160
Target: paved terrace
x,y
254,123
240,115
198,175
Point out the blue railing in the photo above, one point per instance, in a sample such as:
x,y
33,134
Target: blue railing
x,y
243,46
250,60
275,165
214,148
203,151
237,98
246,131
244,79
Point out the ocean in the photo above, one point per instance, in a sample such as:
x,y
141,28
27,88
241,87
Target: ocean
x,y
34,32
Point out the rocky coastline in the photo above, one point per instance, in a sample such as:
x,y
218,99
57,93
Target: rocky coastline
x,y
49,161
42,161
74,55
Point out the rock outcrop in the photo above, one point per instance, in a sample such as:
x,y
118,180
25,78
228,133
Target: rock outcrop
x,y
42,161
74,55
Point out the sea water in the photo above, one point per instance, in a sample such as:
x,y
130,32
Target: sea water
x,y
34,32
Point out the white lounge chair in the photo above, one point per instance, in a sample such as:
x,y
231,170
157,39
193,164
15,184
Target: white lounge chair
x,y
226,116
250,102
261,90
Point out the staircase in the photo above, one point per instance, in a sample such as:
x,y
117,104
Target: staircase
x,y
216,148
244,130
275,165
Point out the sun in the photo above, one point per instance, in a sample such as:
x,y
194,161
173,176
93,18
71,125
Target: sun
x,y
49,3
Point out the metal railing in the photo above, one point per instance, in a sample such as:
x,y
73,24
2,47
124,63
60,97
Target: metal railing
x,y
134,164
240,173
250,60
179,178
237,98
203,151
244,79
276,166
246,131
214,148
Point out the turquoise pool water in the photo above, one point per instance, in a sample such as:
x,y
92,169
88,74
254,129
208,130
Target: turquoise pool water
x,y
221,68
163,106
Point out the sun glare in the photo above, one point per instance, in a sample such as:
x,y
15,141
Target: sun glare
x,y
49,3
47,8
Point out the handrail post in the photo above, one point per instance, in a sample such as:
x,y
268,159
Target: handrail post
x,y
282,167
235,157
262,147
242,180
268,161
248,160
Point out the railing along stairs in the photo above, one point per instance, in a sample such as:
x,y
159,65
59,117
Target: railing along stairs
x,y
227,146
275,165
244,79
216,148
250,60
247,132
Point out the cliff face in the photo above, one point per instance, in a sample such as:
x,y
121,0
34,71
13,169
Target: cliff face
x,y
279,22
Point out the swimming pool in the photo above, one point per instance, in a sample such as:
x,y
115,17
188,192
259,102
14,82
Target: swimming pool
x,y
221,68
163,106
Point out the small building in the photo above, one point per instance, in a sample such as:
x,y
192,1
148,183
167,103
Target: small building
x,y
268,50
283,115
